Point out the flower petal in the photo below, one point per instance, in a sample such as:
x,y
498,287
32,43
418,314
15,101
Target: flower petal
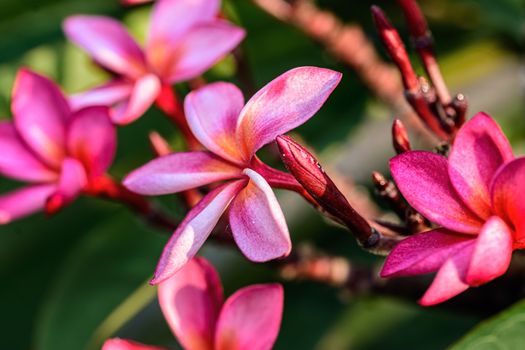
x,y
492,253
449,280
194,230
92,139
24,202
179,172
479,150
109,94
40,115
170,22
122,344
108,42
285,103
257,221
190,301
144,93
202,47
17,161
72,180
507,197
212,113
424,252
422,178
251,318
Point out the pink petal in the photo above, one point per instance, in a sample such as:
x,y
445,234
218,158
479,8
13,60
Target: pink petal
x,y
122,344
179,172
258,223
73,179
449,280
143,94
170,22
201,48
109,94
479,150
190,301
92,139
40,114
194,230
422,178
212,113
285,103
507,197
23,202
108,42
17,161
251,318
424,252
492,253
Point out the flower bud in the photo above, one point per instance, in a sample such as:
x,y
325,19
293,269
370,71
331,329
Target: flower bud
x,y
395,47
400,137
309,173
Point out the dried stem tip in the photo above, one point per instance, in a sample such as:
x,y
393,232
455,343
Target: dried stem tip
x,y
400,137
395,47
309,173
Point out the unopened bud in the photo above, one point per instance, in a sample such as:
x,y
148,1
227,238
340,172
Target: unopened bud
x,y
417,24
400,137
309,173
159,144
395,47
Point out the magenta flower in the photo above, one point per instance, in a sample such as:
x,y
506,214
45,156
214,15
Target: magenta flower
x,y
476,196
47,145
233,134
185,38
192,303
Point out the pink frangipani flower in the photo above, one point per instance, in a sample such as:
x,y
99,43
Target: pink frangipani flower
x,y
192,303
233,134
185,38
476,196
47,145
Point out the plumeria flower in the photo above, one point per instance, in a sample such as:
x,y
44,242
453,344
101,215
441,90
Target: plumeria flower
x,y
57,151
233,134
185,38
192,303
476,196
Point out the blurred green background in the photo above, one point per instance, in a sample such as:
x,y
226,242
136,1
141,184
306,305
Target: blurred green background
x,y
71,281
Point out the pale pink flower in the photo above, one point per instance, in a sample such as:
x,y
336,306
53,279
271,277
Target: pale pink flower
x,y
233,134
185,38
57,151
192,303
476,196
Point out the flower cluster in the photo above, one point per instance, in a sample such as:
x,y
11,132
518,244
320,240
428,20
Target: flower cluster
x,y
475,196
193,305
60,152
468,206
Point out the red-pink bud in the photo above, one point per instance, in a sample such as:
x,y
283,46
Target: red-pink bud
x,y
400,137
417,23
395,47
309,173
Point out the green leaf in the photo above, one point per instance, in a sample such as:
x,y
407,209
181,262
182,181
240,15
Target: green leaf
x,y
502,332
101,272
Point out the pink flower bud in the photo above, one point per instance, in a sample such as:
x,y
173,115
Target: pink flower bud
x,y
309,173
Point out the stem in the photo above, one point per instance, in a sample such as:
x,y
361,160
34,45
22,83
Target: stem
x,y
169,103
105,187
